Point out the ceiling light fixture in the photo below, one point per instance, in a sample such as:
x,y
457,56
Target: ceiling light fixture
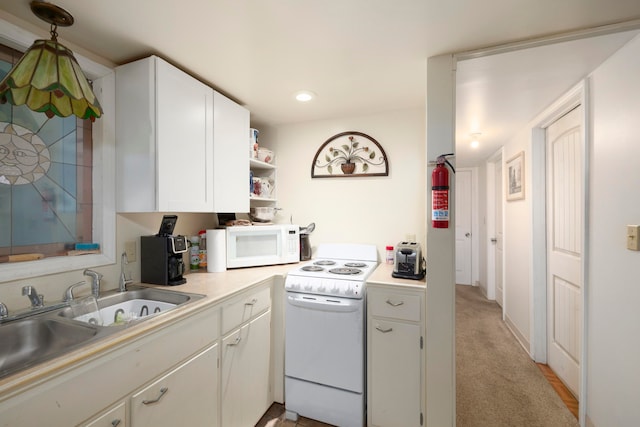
x,y
475,140
304,95
48,78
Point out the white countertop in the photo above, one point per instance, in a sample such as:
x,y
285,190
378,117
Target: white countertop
x,y
382,276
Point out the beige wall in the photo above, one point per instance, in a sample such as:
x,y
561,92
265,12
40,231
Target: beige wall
x,y
370,210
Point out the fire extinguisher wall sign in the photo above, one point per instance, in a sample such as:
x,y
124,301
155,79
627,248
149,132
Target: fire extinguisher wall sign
x,y
440,193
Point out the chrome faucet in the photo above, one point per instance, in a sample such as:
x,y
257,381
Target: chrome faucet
x,y
3,311
95,281
37,301
122,286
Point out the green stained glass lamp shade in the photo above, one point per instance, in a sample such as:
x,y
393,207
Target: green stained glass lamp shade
x,y
48,79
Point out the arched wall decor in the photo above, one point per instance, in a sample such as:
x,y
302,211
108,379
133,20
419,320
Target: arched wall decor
x,y
350,154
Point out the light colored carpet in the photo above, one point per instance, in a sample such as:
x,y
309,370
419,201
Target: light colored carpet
x,y
497,383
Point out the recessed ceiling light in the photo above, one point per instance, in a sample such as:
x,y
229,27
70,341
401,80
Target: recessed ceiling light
x,y
475,140
304,95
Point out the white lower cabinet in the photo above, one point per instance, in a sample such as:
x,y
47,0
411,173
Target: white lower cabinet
x,y
212,368
96,391
394,356
246,364
184,396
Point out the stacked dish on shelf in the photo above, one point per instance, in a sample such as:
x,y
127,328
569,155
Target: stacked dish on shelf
x,y
262,171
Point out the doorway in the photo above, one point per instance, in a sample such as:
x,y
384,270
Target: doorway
x,y
494,248
559,229
463,212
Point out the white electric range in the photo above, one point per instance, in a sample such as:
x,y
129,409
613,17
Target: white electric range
x,y
325,335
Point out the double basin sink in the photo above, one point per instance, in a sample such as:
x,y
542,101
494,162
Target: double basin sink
x,y
41,337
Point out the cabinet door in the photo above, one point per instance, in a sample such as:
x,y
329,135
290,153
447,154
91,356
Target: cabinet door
x,y
184,133
394,363
230,155
186,396
115,417
245,373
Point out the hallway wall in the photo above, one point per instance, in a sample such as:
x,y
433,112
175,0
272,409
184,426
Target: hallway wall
x,y
613,347
517,247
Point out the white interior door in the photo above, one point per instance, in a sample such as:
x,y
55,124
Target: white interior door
x,y
564,247
499,196
463,227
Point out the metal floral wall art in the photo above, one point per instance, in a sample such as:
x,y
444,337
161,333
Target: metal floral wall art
x,y
350,154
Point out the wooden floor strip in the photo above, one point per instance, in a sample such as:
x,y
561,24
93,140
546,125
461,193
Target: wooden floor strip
x,y
562,390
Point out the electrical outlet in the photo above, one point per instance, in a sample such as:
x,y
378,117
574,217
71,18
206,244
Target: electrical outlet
x,y
130,249
633,233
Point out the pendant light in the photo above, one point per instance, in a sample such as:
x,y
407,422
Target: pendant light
x,y
48,78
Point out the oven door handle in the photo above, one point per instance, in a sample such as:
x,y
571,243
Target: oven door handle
x,y
316,302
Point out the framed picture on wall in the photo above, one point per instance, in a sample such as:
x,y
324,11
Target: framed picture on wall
x,y
515,177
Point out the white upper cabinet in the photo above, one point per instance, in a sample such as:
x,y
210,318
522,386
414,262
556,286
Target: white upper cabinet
x,y
230,160
164,139
180,146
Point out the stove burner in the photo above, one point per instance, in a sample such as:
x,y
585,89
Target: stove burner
x,y
355,264
312,268
324,262
347,271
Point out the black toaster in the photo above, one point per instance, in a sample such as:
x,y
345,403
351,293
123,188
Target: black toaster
x,y
409,263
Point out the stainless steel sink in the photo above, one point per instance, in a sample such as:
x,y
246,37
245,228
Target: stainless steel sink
x,y
27,342
153,294
136,304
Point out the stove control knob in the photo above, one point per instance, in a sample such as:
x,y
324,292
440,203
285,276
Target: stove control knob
x,y
322,288
308,287
349,291
294,286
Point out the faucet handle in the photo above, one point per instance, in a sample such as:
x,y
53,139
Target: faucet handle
x,y
4,312
37,300
68,294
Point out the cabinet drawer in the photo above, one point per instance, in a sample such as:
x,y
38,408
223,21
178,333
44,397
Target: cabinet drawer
x,y
394,305
115,417
239,310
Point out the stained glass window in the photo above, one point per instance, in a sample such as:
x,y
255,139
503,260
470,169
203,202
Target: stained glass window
x,y
45,178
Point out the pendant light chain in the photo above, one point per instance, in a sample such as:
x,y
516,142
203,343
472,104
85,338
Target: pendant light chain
x,y
54,32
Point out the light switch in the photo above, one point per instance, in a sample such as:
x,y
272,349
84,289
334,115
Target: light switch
x,y
633,232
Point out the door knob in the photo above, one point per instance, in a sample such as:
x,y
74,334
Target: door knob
x,y
467,234
494,240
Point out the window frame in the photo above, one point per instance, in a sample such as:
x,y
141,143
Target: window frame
x,y
103,179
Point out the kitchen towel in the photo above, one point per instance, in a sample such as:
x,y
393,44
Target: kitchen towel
x,y
216,250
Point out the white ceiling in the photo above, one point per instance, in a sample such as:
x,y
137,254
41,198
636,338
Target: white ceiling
x,y
359,56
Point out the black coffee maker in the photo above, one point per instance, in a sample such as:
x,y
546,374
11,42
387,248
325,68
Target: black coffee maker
x,y
161,255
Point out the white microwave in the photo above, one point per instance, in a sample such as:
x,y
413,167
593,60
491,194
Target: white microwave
x,y
255,245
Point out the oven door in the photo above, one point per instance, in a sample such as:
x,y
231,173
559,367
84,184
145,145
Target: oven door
x,y
324,340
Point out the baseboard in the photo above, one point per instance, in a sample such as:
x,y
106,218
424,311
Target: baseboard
x,y
519,337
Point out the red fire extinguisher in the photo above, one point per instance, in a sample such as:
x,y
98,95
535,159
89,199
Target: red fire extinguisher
x,y
440,193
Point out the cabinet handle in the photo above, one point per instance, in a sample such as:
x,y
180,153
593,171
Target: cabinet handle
x,y
163,391
236,342
395,304
384,331
253,302
115,423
